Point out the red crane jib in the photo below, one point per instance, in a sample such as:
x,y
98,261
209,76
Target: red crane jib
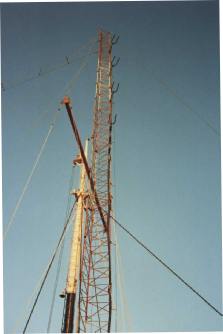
x,y
67,103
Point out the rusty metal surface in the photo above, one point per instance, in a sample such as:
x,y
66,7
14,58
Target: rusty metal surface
x,y
95,275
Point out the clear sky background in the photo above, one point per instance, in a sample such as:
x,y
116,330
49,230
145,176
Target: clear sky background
x,y
167,161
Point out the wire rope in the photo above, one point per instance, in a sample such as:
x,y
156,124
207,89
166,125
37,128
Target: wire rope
x,y
162,83
117,274
76,76
156,257
45,65
37,75
61,251
43,114
30,90
85,61
32,171
36,86
129,319
46,271
61,238
119,262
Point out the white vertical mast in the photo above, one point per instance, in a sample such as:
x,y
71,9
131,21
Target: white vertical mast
x,y
75,249
76,236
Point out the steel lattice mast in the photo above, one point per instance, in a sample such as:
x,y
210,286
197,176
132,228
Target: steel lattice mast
x,y
94,305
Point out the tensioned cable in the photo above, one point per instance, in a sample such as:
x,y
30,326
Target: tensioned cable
x,y
31,89
46,271
61,238
118,255
35,86
32,170
41,67
128,313
44,113
167,267
41,151
162,83
35,124
37,75
85,61
117,274
61,251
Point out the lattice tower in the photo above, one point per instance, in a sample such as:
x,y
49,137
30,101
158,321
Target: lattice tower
x,y
94,306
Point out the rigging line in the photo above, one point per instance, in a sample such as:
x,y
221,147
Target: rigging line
x,y
46,271
119,256
35,124
39,84
73,54
61,250
32,170
85,61
76,52
162,83
31,89
61,238
36,75
77,74
167,267
129,319
117,276
120,291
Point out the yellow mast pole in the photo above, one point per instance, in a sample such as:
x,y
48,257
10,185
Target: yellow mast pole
x,y
75,249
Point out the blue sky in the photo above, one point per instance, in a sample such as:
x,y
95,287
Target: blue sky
x,y
167,161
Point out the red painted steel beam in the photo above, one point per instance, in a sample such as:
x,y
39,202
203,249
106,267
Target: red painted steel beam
x,y
67,103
